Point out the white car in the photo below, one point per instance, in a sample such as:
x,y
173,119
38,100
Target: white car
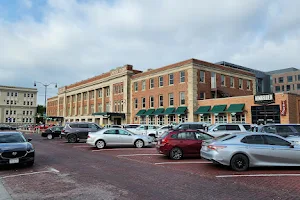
x,y
131,127
149,130
221,129
162,129
117,137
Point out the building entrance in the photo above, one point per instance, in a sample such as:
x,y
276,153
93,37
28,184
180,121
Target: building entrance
x,y
265,114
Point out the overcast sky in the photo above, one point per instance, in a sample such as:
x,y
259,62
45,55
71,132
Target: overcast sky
x,y
66,41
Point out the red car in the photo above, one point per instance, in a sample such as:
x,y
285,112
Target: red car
x,y
181,143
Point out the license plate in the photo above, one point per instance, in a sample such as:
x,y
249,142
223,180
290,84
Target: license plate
x,y
204,148
14,161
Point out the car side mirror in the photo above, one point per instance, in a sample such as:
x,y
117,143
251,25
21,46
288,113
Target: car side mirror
x,y
29,139
215,129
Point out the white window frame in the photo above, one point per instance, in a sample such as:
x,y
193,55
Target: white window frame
x,y
182,76
223,80
171,80
161,101
205,118
136,86
100,93
240,83
151,85
238,118
142,120
143,85
161,81
151,119
181,99
202,79
151,102
136,101
221,116
100,107
183,118
171,98
171,117
248,85
143,102
232,82
161,120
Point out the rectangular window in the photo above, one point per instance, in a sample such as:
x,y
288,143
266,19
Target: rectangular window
x,y
298,86
30,112
240,83
24,103
288,88
151,102
280,79
7,101
136,101
171,79
248,85
91,108
161,100
277,88
27,103
16,94
9,93
293,89
161,81
92,94
223,80
11,102
171,99
27,112
24,94
99,107
298,77
107,107
182,76
151,83
28,95
31,95
7,112
182,98
202,96
135,86
84,110
143,85
100,93
290,79
107,91
231,82
31,103
202,76
143,102
84,96
282,88
275,80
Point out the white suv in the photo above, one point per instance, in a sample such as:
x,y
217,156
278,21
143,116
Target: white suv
x,y
221,129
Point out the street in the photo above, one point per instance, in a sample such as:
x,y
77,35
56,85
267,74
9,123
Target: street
x,y
78,171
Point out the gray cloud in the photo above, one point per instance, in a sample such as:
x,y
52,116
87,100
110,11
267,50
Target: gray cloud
x,y
74,41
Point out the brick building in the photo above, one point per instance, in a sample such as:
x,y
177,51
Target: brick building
x,y
158,96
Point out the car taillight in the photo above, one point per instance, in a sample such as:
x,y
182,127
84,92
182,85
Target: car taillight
x,y
89,136
164,141
63,131
216,148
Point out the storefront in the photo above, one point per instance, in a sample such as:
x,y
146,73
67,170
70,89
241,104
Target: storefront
x,y
257,109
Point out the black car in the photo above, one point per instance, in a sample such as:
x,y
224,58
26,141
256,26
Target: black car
x,y
52,132
5,127
14,149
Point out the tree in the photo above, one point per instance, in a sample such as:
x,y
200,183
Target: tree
x,y
39,113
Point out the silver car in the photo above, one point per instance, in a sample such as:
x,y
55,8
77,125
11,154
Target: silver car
x,y
117,137
243,150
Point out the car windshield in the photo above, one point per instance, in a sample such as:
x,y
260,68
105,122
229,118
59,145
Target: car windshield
x,y
12,138
211,127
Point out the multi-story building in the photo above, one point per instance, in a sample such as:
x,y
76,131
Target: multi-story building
x,y
263,79
286,80
18,105
157,96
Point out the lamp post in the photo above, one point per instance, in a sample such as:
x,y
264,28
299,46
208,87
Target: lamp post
x,y
46,86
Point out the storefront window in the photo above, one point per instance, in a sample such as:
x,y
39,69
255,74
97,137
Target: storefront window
x,y
171,119
221,118
151,120
238,118
205,118
183,118
160,120
143,120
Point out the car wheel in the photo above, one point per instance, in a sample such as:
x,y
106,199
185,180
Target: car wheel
x,y
239,162
50,136
100,144
72,138
176,153
139,144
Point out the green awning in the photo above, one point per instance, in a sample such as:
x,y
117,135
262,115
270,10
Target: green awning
x,y
218,109
202,110
235,108
169,111
100,113
149,112
181,110
158,111
110,114
141,112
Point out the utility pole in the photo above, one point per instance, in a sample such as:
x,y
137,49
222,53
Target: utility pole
x,y
45,103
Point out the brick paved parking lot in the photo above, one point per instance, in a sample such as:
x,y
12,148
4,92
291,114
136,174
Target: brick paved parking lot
x,y
78,171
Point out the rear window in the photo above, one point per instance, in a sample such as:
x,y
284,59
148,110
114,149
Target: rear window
x,y
83,126
73,125
196,126
164,134
233,128
297,127
247,127
225,138
131,126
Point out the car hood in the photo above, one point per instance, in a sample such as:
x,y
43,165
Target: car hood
x,y
15,146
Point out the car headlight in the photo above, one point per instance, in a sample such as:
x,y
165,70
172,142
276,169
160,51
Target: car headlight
x,y
30,150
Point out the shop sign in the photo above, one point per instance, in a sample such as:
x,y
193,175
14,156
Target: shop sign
x,y
283,108
264,98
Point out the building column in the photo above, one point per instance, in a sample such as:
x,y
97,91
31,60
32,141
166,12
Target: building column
x,y
88,103
95,100
76,105
192,93
71,103
64,106
81,106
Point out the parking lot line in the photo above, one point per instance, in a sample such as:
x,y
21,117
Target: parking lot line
x,y
128,155
82,146
255,175
51,170
188,162
135,149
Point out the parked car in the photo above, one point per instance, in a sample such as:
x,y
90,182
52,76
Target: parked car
x,y
162,129
149,130
243,150
113,126
42,127
190,125
14,149
131,127
52,132
117,137
75,131
181,143
5,127
220,129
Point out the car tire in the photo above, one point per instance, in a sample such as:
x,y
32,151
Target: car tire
x,y
49,136
72,138
239,162
100,144
176,153
139,143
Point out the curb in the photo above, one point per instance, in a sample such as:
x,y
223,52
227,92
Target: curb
x,y
4,195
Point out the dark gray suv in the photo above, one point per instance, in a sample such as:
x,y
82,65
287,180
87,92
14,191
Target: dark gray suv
x,y
75,131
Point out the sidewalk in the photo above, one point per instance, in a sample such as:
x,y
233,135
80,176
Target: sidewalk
x,y
4,195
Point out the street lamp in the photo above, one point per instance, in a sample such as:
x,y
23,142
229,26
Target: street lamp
x,y
45,85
